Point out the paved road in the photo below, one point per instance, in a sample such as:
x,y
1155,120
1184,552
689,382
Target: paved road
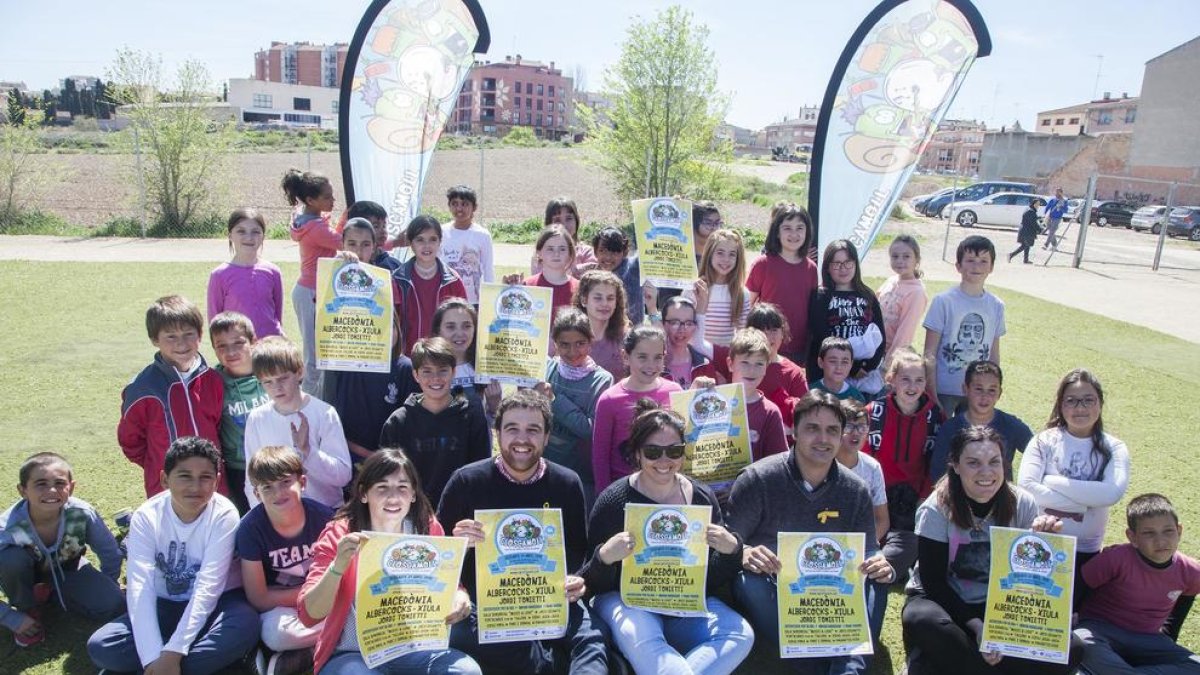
x,y
1114,281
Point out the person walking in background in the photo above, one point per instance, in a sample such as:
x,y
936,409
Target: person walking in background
x,y
1056,208
1027,235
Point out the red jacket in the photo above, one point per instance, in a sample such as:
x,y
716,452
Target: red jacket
x,y
324,551
158,406
903,444
415,321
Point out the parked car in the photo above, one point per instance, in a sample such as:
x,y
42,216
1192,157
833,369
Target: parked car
x,y
1107,213
920,200
1002,208
1149,218
1074,208
935,207
1184,222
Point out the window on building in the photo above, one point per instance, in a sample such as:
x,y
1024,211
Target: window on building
x,y
517,102
539,104
539,120
1059,121
529,104
528,118
301,104
1105,117
528,88
262,100
302,119
541,90
1046,122
334,106
468,85
517,87
551,91
561,107
550,121
1130,115
489,84
1074,120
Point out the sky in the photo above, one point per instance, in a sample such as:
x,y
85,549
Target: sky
x,y
773,56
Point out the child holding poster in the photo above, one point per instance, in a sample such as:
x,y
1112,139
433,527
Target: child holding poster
x,y
601,297
577,382
645,350
723,271
1141,592
248,284
456,320
785,275
311,194
555,251
656,643
386,497
947,594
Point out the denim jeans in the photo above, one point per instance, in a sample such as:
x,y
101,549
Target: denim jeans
x,y
756,595
1109,649
230,632
85,590
304,301
671,645
429,662
582,651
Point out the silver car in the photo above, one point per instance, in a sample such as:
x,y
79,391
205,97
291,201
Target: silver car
x,y
1149,218
1002,208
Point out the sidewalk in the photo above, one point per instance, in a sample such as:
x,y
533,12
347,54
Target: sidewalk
x,y
1167,301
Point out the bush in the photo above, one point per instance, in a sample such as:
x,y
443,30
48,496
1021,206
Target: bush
x,y
521,137
37,222
209,226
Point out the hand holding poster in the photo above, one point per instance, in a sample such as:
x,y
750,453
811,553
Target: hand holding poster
x,y
406,585
717,432
668,569
513,334
1029,597
354,317
520,573
663,228
822,611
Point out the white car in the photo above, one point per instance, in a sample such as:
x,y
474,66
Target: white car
x,y
1001,208
1149,218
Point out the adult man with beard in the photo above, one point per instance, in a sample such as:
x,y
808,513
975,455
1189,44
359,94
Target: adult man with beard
x,y
519,477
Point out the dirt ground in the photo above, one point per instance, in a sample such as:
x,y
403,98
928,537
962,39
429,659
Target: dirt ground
x,y
516,183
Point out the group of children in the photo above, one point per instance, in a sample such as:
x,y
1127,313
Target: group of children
x,y
306,459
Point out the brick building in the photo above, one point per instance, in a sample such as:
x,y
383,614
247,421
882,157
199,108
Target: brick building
x,y
794,135
301,63
496,97
956,148
1106,115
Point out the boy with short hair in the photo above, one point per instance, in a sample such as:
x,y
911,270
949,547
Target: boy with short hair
x,y
176,395
42,541
835,360
749,355
851,456
982,386
296,420
1139,594
964,324
232,336
423,282
612,255
274,542
375,214
439,430
180,552
467,247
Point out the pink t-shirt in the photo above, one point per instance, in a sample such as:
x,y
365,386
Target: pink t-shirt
x,y
316,240
607,354
766,428
614,417
789,286
256,291
1131,594
903,305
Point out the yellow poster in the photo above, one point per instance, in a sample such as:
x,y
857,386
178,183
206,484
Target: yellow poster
x,y
1029,595
513,334
354,317
668,569
520,572
822,610
663,227
717,433
406,586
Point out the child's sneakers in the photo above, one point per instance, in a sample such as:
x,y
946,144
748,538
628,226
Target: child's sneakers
x,y
29,640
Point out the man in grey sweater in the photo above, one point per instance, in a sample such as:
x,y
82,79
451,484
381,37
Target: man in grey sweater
x,y
801,491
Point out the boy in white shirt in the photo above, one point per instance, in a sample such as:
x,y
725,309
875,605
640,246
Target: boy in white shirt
x,y
466,245
296,420
180,547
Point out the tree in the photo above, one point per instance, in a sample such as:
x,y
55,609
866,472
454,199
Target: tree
x,y
16,109
185,150
665,111
21,174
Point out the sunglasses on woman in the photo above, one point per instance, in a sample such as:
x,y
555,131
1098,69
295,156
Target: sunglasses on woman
x,y
653,452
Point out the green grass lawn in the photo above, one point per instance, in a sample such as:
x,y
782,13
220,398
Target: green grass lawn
x,y
62,379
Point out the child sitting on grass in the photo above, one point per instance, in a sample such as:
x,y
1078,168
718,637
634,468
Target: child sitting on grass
x,y
42,541
1139,594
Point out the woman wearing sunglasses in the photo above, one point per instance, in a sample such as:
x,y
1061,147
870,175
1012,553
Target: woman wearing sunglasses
x,y
655,643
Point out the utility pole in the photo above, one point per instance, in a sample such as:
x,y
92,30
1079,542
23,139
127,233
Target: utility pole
x,y
1099,68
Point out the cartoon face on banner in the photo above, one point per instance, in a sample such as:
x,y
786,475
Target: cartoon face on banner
x,y
890,90
406,66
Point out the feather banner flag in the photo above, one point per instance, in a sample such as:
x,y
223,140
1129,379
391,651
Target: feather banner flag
x,y
401,81
891,87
